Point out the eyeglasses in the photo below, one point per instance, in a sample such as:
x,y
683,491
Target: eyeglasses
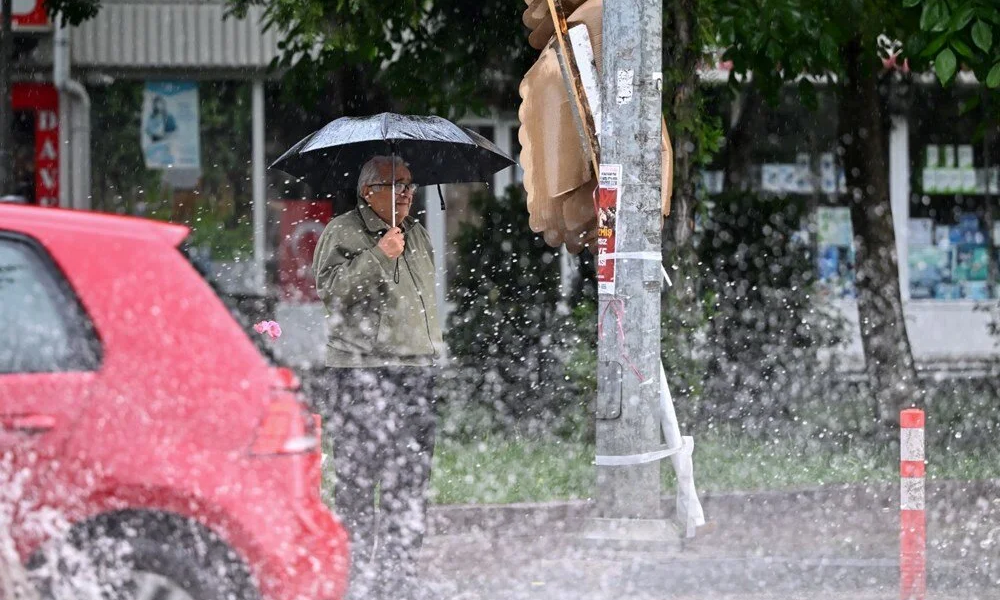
x,y
399,186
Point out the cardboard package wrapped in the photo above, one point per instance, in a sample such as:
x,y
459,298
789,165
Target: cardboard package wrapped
x,y
558,176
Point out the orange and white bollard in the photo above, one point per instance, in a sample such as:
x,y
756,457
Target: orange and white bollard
x,y
912,520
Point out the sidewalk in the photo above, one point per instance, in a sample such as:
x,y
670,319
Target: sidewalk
x,y
833,540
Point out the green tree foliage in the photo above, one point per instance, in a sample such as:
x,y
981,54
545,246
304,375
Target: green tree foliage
x,y
781,42
72,12
953,34
445,56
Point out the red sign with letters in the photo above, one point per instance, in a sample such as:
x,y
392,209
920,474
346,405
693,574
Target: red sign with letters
x,y
43,99
30,15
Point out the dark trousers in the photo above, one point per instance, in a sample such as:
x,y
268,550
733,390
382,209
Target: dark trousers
x,y
381,425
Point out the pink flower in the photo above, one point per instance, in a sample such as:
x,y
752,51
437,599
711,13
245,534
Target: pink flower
x,y
269,327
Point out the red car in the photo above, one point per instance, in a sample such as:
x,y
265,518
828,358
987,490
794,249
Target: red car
x,y
139,409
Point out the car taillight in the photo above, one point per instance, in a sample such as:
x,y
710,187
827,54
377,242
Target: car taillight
x,y
283,378
286,428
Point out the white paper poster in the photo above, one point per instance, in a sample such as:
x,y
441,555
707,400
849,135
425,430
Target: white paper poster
x,y
833,226
921,232
170,128
949,157
965,156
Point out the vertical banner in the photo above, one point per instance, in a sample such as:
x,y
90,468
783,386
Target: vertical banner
x,y
609,191
41,99
170,129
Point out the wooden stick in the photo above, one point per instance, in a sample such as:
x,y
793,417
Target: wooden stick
x,y
668,163
576,85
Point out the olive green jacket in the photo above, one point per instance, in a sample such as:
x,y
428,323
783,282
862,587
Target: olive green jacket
x,y
373,320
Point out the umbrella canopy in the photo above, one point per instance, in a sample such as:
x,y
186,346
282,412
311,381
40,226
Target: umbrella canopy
x,y
437,151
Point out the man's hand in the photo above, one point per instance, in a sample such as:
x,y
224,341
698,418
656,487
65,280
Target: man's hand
x,y
392,243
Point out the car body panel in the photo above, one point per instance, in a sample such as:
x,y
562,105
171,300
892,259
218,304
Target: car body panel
x,y
166,421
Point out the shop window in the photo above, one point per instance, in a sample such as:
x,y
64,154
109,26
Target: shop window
x,y
952,235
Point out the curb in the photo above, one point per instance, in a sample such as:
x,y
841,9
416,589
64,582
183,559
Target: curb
x,y
529,517
506,519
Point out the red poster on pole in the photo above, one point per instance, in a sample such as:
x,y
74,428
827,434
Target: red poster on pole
x,y
608,196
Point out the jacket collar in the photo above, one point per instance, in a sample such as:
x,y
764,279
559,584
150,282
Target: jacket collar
x,y
374,223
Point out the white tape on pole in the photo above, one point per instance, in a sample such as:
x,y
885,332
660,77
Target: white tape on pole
x,y
689,510
648,255
625,460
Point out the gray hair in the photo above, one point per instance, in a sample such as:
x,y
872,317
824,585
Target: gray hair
x,y
370,172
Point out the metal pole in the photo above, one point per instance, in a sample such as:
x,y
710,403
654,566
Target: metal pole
x,y
259,197
6,99
628,383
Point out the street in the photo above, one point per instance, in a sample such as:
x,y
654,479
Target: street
x,y
839,542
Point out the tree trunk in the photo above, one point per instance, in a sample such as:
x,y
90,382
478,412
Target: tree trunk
x,y
737,155
6,100
681,49
888,357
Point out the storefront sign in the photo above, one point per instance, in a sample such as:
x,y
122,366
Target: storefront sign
x,y
170,129
609,191
29,15
42,99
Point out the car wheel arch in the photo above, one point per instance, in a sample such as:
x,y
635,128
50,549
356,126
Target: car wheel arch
x,y
169,530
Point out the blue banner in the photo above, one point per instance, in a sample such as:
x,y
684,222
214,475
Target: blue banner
x,y
170,129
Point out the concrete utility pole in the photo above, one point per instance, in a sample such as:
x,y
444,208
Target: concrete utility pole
x,y
628,372
6,99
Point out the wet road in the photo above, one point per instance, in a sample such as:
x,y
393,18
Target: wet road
x,y
838,543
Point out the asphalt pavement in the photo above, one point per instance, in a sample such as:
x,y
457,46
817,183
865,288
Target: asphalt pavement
x,y
832,542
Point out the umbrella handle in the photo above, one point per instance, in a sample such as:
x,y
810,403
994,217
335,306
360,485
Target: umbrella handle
x,y
393,186
395,274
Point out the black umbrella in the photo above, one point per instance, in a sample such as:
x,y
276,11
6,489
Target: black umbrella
x,y
437,151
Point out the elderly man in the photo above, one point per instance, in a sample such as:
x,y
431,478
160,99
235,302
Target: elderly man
x,y
377,282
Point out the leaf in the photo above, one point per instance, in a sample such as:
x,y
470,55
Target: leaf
x,y
962,18
962,48
989,14
828,47
945,64
993,79
910,3
929,16
971,103
935,45
982,35
934,16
